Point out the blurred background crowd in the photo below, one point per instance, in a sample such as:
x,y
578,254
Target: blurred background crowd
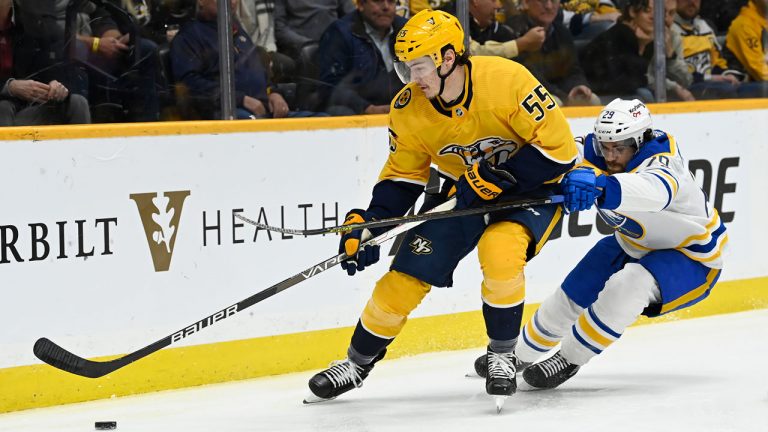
x,y
98,61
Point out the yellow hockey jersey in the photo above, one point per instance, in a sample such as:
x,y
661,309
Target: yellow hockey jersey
x,y
502,110
747,41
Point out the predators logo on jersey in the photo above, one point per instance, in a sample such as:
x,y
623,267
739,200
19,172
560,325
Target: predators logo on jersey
x,y
403,99
497,150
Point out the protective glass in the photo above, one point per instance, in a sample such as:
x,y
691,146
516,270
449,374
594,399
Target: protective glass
x,y
617,148
414,70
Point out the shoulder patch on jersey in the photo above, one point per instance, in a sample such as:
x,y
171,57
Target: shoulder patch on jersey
x,y
403,99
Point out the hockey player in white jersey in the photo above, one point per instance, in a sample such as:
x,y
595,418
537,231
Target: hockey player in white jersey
x,y
666,253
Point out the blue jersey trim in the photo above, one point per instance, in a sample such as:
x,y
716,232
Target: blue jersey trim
x,y
706,248
542,329
600,324
666,186
659,144
583,342
531,345
669,173
611,198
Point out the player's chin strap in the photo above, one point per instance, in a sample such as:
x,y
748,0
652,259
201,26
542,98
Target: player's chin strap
x,y
444,77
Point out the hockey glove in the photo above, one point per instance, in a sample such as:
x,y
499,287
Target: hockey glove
x,y
581,187
350,243
482,183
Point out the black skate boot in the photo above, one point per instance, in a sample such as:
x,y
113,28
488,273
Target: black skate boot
x,y
549,373
481,365
500,379
341,377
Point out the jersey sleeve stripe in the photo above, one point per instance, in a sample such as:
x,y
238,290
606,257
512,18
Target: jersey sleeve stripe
x,y
666,186
669,176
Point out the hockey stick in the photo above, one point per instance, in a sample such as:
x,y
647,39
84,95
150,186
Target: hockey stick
x,y
58,357
553,199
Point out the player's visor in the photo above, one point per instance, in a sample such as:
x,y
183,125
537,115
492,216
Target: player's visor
x,y
413,70
614,147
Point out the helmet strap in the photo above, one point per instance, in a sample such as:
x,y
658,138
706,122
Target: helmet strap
x,y
444,77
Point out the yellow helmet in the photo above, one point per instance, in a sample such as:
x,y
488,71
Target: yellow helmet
x,y
426,34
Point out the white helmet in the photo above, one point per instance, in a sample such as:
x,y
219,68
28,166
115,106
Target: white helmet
x,y
622,121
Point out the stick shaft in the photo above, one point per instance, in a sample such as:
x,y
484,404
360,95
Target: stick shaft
x,y
58,357
443,214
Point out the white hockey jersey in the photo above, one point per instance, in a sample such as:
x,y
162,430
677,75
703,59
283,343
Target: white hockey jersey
x,y
657,204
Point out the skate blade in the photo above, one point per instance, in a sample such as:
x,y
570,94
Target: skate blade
x,y
500,403
313,399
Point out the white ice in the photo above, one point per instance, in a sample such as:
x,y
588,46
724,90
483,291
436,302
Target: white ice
x,y
707,374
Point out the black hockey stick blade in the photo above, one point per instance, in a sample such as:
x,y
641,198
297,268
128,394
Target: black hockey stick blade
x,y
553,199
58,357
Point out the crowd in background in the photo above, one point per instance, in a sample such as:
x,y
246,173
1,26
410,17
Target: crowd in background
x,y
83,61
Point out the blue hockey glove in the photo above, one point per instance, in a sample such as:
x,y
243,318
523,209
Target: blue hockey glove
x,y
581,187
482,183
350,243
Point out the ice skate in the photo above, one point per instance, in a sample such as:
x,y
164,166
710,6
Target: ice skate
x,y
500,376
548,374
341,377
481,367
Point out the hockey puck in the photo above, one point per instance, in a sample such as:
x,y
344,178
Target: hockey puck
x,y
106,425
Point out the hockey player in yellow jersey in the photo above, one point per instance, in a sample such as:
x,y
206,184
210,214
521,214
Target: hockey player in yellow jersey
x,y
494,133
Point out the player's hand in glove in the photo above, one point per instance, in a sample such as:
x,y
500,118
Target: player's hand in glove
x,y
350,243
482,183
581,187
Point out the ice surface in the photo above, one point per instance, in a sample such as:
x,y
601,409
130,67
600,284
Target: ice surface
x,y
707,374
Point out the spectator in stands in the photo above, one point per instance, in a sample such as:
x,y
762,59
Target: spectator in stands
x,y
409,8
678,76
556,63
616,62
487,36
258,20
114,70
356,61
720,13
122,67
747,46
588,18
159,20
24,99
195,62
702,54
299,23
